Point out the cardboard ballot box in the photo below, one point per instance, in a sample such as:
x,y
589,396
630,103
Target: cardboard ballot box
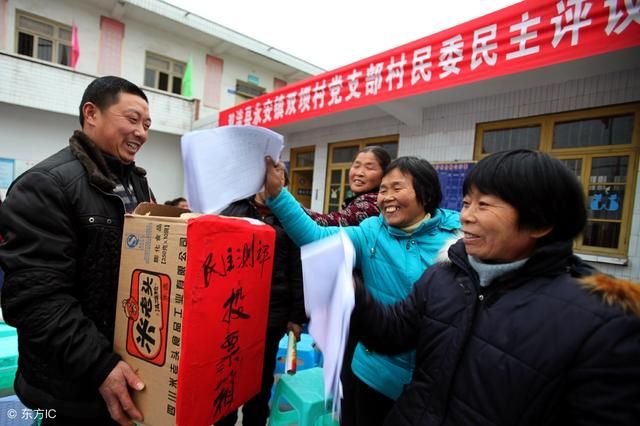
x,y
193,301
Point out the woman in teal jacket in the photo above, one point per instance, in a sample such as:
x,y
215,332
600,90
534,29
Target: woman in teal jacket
x,y
392,251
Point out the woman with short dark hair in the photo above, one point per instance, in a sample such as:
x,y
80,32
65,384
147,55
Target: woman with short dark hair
x,y
365,175
425,180
392,250
528,180
514,329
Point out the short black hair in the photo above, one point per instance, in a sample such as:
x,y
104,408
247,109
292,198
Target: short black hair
x,y
381,154
425,180
105,91
175,201
544,191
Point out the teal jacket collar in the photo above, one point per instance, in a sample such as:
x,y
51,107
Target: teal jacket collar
x,y
444,219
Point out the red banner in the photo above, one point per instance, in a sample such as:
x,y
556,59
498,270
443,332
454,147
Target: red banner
x,y
226,298
528,35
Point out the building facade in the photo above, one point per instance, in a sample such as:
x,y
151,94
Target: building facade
x,y
556,76
148,42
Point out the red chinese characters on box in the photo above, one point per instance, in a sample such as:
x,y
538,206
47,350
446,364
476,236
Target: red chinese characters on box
x,y
226,298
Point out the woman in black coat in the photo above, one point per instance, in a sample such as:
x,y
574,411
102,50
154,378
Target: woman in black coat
x,y
514,329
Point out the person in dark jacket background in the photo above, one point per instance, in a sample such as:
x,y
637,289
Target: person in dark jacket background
x,y
515,329
286,303
62,225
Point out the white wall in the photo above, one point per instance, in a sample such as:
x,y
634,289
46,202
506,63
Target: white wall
x,y
138,39
448,132
162,159
32,135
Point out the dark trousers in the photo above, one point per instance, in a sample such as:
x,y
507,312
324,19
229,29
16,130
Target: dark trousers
x,y
255,412
363,405
348,380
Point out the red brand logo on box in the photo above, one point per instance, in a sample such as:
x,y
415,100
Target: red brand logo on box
x,y
148,310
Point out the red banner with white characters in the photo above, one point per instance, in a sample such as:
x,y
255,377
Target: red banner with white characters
x,y
226,303
525,36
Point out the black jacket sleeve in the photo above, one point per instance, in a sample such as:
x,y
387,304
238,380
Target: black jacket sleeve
x,y
294,277
603,388
240,208
38,256
389,329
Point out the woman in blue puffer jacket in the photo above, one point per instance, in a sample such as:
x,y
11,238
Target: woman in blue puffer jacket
x,y
392,251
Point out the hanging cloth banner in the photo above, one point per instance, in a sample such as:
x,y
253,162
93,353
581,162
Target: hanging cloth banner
x,y
525,36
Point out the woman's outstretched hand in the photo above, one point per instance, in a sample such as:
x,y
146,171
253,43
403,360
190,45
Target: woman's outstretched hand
x,y
274,179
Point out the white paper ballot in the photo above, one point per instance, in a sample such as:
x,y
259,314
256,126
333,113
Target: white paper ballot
x,y
226,164
327,266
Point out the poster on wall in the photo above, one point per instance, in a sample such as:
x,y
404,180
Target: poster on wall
x,y
7,169
451,176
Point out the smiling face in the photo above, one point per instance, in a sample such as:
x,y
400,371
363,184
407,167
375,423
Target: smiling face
x,y
365,173
397,200
491,231
121,129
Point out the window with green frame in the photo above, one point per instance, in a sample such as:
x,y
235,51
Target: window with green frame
x,y
341,155
601,146
163,73
43,39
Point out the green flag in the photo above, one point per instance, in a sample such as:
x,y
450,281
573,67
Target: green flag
x,y
186,79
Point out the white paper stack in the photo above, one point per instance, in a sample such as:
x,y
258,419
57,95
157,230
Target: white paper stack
x,y
226,164
329,299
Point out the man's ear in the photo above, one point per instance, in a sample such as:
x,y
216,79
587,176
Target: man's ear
x,y
542,232
90,112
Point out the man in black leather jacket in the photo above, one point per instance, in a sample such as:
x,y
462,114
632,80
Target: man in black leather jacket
x,y
62,228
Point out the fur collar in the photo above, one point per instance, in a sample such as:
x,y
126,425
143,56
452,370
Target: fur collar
x,y
92,159
443,253
615,291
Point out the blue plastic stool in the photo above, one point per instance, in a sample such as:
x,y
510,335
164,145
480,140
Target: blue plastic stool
x,y
8,358
303,394
307,354
7,330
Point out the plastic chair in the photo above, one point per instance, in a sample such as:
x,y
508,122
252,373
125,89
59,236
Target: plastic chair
x,y
7,330
303,393
8,358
